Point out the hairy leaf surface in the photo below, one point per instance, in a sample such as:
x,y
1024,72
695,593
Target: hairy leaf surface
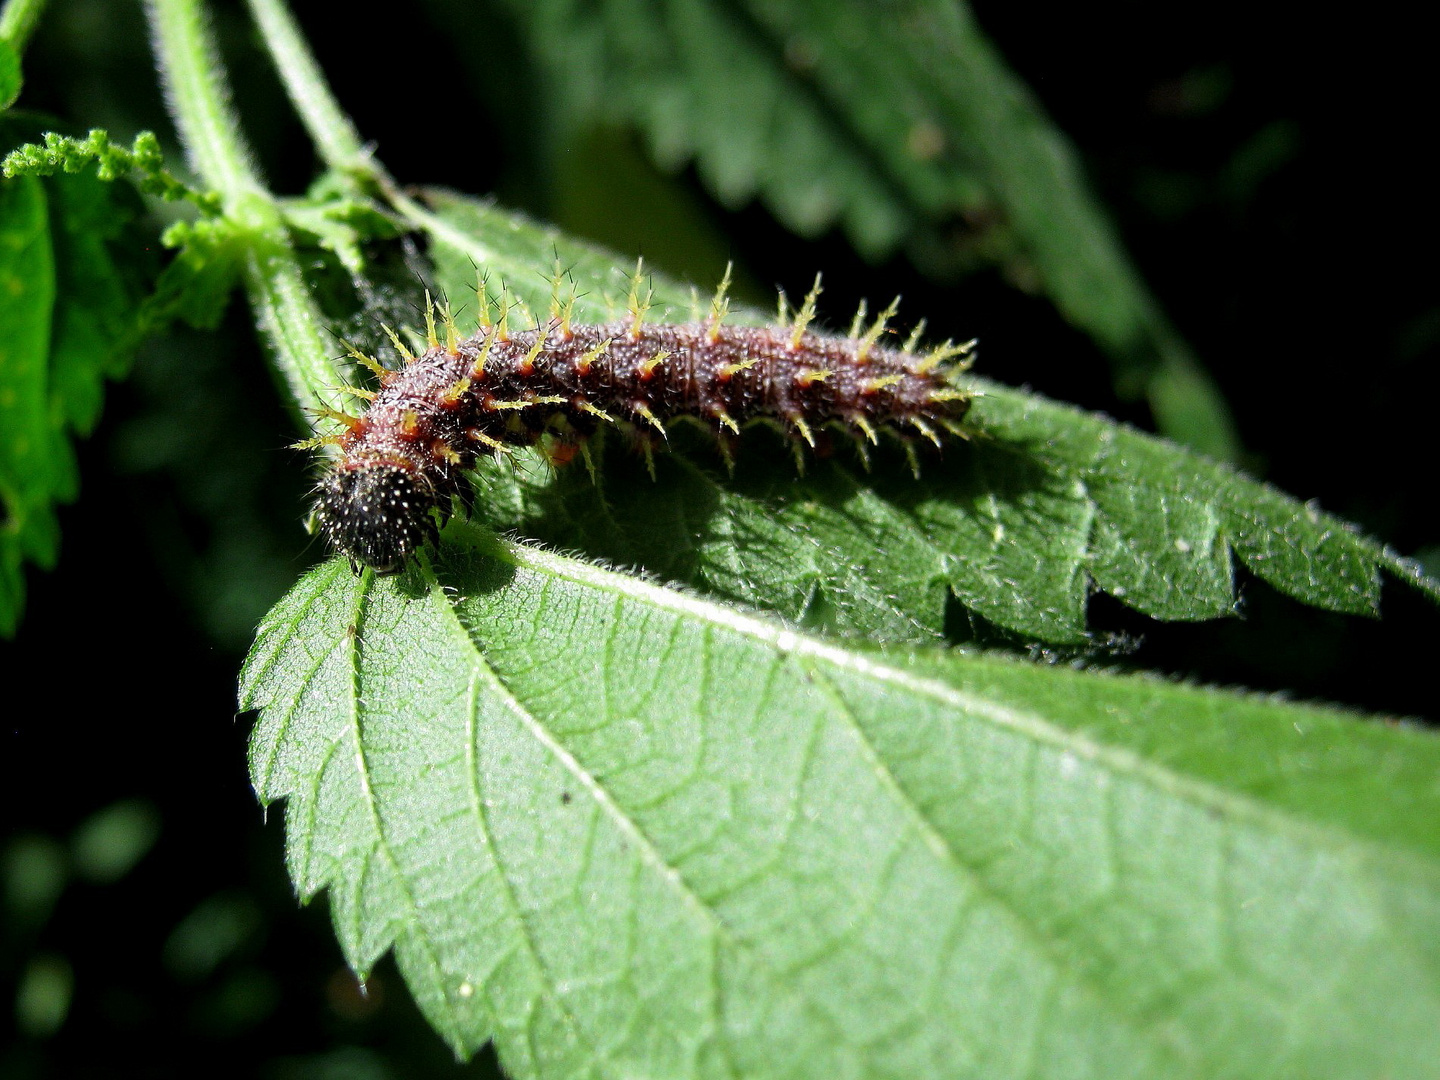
x,y
624,831
1021,523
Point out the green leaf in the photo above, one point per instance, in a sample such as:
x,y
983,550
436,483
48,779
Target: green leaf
x,y
10,79
624,831
894,120
35,470
143,162
198,283
341,226
1045,504
71,276
104,269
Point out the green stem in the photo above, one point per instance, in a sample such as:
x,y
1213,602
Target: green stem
x,y
297,332
199,100
335,136
340,145
17,21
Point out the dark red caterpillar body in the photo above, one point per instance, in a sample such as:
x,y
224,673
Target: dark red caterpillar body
x,y
430,420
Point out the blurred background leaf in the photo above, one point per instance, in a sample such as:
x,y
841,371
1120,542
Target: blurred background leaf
x,y
897,122
74,270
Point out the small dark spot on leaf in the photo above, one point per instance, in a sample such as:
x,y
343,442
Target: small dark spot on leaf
x,y
565,797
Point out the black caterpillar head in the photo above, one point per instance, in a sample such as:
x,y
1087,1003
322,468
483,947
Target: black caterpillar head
x,y
377,513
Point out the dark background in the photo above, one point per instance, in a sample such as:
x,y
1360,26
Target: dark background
x,y
1269,177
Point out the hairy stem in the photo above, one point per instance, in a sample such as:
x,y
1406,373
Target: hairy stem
x,y
199,100
335,136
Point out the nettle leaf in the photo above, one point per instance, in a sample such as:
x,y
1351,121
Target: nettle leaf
x,y
70,283
143,162
1044,505
625,831
895,120
34,466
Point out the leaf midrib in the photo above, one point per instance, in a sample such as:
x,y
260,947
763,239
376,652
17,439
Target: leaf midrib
x,y
481,670
1058,971
612,810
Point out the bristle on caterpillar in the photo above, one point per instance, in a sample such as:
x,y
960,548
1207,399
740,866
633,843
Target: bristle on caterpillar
x,y
429,421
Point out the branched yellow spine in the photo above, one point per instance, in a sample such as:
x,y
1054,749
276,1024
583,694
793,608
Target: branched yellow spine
x,y
447,320
431,340
589,463
857,323
405,354
877,328
527,362
720,305
488,442
589,356
643,411
647,368
594,410
913,458
947,351
866,428
806,315
562,311
567,317
637,306
806,379
458,389
482,300
729,371
502,324
477,368
527,403
874,386
365,360
351,422
925,429
914,339
799,424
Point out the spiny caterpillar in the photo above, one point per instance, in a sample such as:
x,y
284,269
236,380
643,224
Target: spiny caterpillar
x,y
556,384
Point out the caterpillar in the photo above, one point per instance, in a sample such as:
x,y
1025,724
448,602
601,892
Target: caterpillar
x,y
557,383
